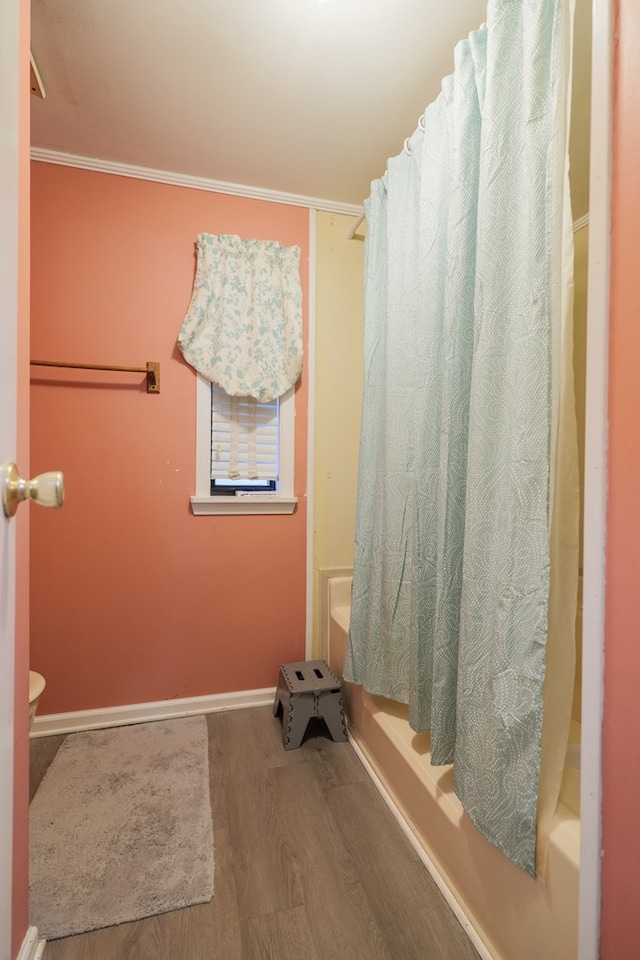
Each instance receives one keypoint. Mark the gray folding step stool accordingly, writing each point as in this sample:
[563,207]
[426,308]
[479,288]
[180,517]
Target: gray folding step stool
[305,690]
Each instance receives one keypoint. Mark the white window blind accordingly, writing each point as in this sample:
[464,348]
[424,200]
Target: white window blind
[244,437]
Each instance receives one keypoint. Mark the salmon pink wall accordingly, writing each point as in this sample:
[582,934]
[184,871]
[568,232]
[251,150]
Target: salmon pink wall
[133,598]
[621,769]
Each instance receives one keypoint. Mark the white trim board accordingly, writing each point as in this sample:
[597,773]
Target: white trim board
[192,182]
[311,431]
[595,480]
[51,724]
[32,946]
[12,893]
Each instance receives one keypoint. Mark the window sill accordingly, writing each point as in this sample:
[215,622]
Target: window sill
[218,506]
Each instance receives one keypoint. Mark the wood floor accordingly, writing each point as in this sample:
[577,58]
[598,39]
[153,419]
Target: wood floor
[310,864]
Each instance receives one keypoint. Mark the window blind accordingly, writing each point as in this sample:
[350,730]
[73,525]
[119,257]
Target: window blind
[244,437]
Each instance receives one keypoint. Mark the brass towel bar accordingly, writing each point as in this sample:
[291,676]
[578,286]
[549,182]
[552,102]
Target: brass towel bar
[152,370]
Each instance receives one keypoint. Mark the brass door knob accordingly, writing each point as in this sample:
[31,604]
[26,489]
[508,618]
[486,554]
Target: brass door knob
[46,489]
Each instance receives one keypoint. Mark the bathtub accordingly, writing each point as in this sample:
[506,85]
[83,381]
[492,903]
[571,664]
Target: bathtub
[507,914]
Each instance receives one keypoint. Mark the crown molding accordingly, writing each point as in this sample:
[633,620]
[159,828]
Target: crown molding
[191,182]
[212,186]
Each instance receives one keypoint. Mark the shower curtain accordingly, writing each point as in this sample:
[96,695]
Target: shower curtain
[465,560]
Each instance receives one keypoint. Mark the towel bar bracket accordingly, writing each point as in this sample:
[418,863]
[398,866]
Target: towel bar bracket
[153,377]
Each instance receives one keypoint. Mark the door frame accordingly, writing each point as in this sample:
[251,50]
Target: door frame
[9,222]
[595,494]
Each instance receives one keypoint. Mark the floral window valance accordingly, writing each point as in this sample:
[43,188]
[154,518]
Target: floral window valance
[243,328]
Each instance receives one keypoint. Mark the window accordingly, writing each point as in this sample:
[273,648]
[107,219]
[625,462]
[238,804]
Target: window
[251,441]
[244,444]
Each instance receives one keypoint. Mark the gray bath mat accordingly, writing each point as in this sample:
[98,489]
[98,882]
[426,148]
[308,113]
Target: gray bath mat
[120,827]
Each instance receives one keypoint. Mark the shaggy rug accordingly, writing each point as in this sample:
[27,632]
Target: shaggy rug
[120,827]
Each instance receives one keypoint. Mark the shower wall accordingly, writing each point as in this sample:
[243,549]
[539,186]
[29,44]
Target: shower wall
[133,599]
[338,400]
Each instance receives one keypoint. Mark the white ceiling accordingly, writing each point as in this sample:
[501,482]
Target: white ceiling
[302,96]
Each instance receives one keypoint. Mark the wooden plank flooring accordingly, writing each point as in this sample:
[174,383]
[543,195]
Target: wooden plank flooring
[309,863]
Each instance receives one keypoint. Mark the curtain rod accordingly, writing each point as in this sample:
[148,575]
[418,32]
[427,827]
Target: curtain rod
[419,126]
[351,233]
[577,225]
[152,370]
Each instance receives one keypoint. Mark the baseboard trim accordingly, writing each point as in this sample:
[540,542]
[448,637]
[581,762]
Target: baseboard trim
[439,880]
[32,946]
[51,724]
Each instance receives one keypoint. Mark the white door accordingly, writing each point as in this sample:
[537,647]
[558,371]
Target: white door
[9,154]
